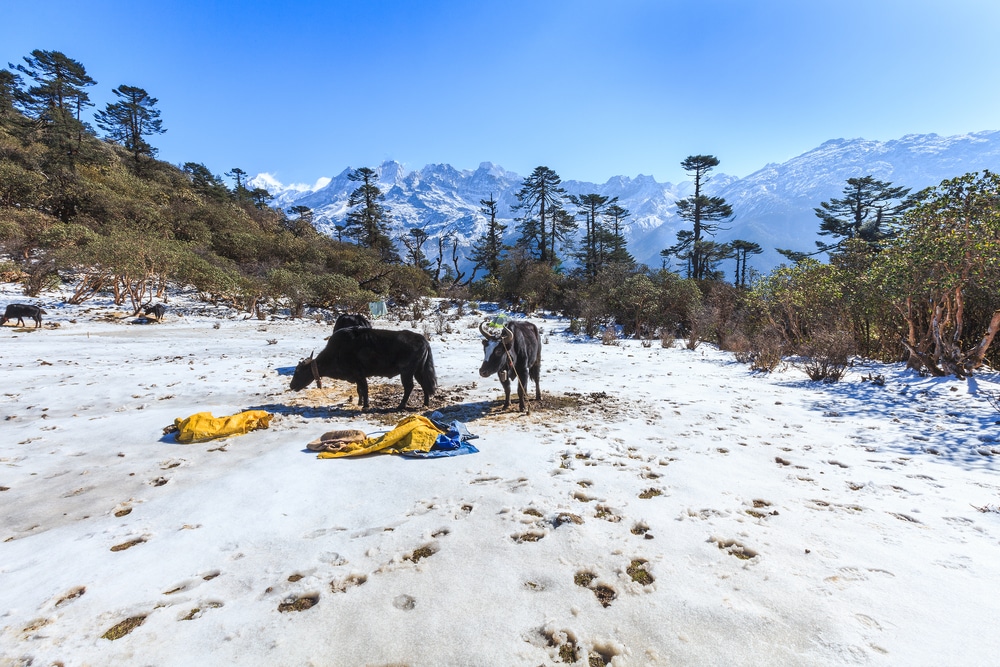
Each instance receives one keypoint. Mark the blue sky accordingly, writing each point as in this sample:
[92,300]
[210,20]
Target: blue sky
[591,89]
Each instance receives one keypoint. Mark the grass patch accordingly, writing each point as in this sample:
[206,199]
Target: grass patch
[120,630]
[650,493]
[637,570]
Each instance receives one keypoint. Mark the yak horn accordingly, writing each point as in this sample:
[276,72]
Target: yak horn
[506,335]
[482,330]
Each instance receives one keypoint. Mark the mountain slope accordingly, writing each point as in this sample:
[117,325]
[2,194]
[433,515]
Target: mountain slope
[772,206]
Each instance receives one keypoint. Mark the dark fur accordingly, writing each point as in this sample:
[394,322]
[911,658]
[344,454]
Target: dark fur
[355,354]
[521,357]
[351,320]
[20,311]
[156,311]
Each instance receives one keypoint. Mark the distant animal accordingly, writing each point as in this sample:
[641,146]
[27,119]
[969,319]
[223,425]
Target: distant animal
[351,320]
[20,311]
[516,350]
[156,311]
[355,354]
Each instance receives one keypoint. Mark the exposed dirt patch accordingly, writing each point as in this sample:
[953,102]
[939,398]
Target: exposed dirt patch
[460,402]
[299,603]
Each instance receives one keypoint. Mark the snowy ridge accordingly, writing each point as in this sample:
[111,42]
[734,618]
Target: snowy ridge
[773,206]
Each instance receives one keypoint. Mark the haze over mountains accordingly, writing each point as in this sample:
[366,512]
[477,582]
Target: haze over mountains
[772,206]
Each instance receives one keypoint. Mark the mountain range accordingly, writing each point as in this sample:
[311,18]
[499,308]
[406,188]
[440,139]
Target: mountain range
[773,206]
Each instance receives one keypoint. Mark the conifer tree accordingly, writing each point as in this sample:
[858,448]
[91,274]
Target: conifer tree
[593,208]
[705,215]
[539,194]
[368,221]
[487,250]
[741,251]
[868,212]
[615,247]
[132,118]
[56,102]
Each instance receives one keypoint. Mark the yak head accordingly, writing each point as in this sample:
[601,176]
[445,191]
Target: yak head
[305,372]
[498,351]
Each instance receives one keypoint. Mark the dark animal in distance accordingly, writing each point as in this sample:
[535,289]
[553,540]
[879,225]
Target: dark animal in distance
[20,311]
[156,311]
[355,354]
[351,320]
[516,350]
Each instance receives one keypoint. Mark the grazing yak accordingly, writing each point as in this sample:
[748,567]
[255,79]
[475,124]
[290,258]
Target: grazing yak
[20,311]
[156,311]
[351,320]
[355,354]
[516,350]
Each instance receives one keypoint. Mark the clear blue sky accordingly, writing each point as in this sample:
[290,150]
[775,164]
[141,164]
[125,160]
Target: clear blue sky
[590,89]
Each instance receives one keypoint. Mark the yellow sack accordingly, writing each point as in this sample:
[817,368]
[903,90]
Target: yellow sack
[415,433]
[203,426]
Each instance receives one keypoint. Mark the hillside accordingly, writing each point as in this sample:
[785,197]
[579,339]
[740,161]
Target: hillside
[773,206]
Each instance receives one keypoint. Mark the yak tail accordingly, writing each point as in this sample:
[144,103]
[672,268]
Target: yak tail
[427,370]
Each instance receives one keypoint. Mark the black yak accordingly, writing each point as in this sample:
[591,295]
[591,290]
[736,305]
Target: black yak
[351,320]
[517,350]
[355,354]
[20,311]
[156,311]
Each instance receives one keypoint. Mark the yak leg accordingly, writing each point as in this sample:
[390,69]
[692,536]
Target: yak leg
[407,389]
[505,381]
[363,392]
[534,371]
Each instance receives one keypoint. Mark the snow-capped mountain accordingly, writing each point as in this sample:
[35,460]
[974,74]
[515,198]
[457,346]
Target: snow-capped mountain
[772,206]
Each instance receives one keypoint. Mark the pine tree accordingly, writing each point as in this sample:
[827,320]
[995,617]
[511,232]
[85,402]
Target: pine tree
[705,214]
[868,211]
[368,222]
[593,208]
[616,247]
[540,192]
[487,250]
[131,119]
[741,251]
[56,101]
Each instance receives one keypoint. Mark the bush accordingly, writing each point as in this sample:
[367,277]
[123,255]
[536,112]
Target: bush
[827,355]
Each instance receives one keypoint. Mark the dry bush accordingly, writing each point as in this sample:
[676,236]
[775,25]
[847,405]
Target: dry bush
[740,346]
[609,336]
[766,350]
[827,355]
[667,339]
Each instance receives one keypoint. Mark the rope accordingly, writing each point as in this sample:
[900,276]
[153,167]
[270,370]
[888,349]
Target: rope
[315,371]
[521,388]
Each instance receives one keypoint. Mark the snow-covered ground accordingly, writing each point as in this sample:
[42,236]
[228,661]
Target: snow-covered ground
[661,506]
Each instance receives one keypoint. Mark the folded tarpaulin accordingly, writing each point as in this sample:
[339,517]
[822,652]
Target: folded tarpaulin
[415,436]
[203,426]
[378,309]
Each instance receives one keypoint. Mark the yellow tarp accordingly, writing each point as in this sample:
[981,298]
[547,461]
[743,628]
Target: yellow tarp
[203,426]
[415,433]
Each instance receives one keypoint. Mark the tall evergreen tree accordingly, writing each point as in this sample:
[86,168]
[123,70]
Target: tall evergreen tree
[302,224]
[131,119]
[240,192]
[10,86]
[868,211]
[615,247]
[487,250]
[368,221]
[741,251]
[57,99]
[539,194]
[593,208]
[705,215]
